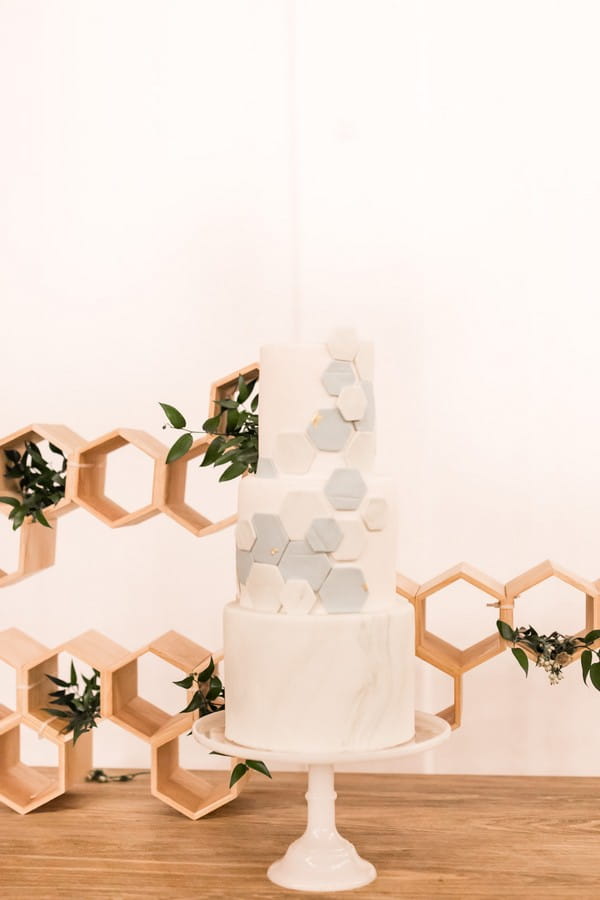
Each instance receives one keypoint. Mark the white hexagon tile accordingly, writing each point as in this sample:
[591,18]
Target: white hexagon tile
[297,597]
[343,344]
[354,540]
[375,513]
[264,586]
[352,402]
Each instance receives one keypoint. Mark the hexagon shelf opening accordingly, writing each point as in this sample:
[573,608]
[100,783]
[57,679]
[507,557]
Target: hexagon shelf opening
[180,479]
[36,547]
[24,787]
[183,789]
[225,387]
[550,597]
[435,649]
[121,700]
[90,479]
[60,436]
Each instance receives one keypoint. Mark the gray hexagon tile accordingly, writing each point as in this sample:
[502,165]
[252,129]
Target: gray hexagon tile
[338,375]
[264,586]
[266,468]
[352,402]
[324,535]
[375,513]
[364,361]
[298,510]
[243,561]
[329,430]
[354,540]
[271,538]
[300,562]
[367,422]
[244,535]
[297,597]
[343,344]
[360,452]
[345,489]
[294,453]
[344,590]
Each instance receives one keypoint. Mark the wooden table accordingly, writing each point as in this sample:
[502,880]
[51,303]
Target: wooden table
[466,837]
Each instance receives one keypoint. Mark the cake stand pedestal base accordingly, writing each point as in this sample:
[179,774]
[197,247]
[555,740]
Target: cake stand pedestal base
[321,859]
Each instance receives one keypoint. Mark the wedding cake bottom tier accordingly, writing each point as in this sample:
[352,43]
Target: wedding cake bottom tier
[328,683]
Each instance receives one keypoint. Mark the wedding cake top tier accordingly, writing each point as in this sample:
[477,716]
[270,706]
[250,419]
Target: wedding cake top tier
[317,411]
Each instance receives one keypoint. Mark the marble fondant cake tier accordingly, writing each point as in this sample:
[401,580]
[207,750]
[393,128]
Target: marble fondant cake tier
[319,683]
[316,543]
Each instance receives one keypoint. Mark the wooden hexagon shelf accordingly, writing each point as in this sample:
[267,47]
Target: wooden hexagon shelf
[433,648]
[542,572]
[60,436]
[121,700]
[90,476]
[189,793]
[37,550]
[173,494]
[25,788]
[16,649]
[225,387]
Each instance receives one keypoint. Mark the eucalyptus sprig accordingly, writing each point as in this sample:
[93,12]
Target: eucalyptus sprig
[39,483]
[80,708]
[235,430]
[554,651]
[209,697]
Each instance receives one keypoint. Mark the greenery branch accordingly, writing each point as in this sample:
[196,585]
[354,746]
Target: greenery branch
[209,697]
[78,706]
[234,428]
[39,484]
[554,651]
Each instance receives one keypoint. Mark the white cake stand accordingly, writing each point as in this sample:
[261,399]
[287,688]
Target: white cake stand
[321,860]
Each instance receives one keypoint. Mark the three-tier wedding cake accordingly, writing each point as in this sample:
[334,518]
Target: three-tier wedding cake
[319,648]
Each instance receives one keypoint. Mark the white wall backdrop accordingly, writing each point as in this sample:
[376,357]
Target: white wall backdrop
[181,182]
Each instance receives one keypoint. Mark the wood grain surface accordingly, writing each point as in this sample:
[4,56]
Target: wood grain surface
[466,837]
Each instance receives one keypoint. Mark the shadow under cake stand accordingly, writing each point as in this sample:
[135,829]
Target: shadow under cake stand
[321,859]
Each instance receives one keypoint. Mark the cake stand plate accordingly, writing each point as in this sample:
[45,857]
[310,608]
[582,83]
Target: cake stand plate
[321,859]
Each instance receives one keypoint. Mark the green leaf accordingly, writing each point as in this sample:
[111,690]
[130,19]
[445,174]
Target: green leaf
[258,767]
[41,518]
[215,688]
[185,682]
[586,662]
[243,390]
[206,673]
[176,419]
[234,471]
[180,447]
[595,675]
[197,702]
[12,501]
[58,681]
[592,636]
[238,772]
[521,658]
[212,452]
[505,630]
[211,425]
